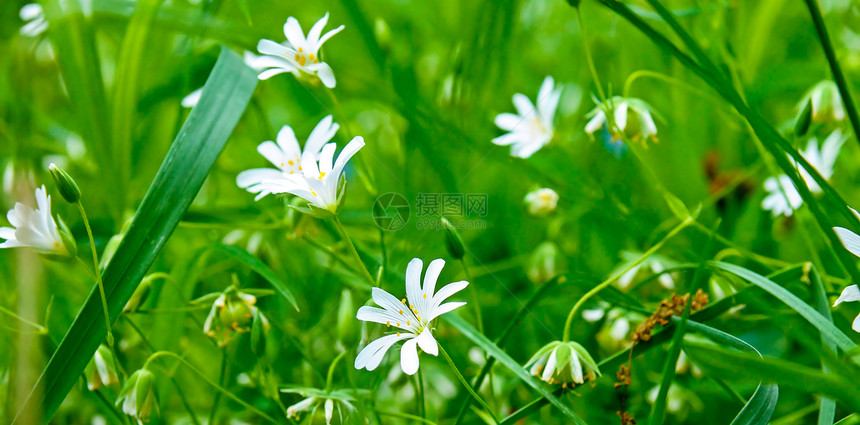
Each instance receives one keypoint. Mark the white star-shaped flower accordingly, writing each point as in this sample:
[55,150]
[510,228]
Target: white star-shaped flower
[531,128]
[34,228]
[315,177]
[412,316]
[298,55]
[783,198]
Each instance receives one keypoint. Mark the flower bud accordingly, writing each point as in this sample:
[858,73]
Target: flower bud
[66,184]
[453,240]
[563,363]
[140,295]
[346,331]
[101,370]
[110,250]
[545,263]
[825,102]
[137,397]
[541,201]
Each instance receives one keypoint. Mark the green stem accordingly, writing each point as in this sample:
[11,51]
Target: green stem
[488,366]
[221,389]
[353,251]
[405,416]
[98,275]
[589,59]
[835,68]
[422,406]
[618,274]
[663,77]
[330,375]
[222,375]
[466,384]
[475,299]
[41,329]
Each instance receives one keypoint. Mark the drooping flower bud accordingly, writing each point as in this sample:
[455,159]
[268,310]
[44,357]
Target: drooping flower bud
[453,240]
[140,295]
[65,184]
[346,331]
[565,363]
[631,119]
[137,397]
[825,102]
[101,370]
[545,263]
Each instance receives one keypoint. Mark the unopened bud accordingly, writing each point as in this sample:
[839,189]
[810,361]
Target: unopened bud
[66,184]
[453,240]
[346,322]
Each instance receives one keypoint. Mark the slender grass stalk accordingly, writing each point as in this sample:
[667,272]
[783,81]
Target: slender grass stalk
[404,416]
[588,58]
[835,68]
[466,384]
[39,328]
[419,384]
[329,378]
[618,274]
[213,384]
[96,273]
[353,251]
[222,377]
[488,366]
[474,293]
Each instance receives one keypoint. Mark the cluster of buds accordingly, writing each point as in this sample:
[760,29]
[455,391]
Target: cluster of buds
[235,312]
[565,363]
[673,306]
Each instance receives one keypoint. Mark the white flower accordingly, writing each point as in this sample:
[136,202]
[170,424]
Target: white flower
[851,241]
[298,55]
[315,178]
[412,316]
[530,128]
[541,201]
[563,363]
[34,228]
[825,102]
[35,17]
[286,154]
[638,126]
[783,198]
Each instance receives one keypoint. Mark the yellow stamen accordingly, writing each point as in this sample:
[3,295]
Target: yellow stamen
[403,301]
[289,162]
[401,312]
[388,324]
[425,296]
[408,323]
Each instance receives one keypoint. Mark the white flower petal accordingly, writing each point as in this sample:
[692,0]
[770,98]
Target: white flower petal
[524,106]
[270,47]
[856,324]
[849,239]
[508,121]
[551,363]
[413,283]
[427,343]
[321,134]
[293,32]
[324,72]
[371,356]
[409,356]
[269,73]
[329,35]
[329,406]
[849,294]
[316,30]
[596,122]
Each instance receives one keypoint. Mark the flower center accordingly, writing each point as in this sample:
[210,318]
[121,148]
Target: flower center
[302,58]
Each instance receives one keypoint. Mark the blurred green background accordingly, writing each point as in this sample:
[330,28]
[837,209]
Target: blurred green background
[421,82]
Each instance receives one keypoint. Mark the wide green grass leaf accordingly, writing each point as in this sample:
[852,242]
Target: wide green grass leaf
[198,144]
[493,350]
[262,269]
[827,329]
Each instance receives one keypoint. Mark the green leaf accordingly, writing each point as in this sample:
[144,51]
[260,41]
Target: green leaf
[493,350]
[827,329]
[827,410]
[759,408]
[198,144]
[262,269]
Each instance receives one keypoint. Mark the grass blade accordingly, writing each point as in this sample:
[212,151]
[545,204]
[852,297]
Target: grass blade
[827,329]
[262,269]
[187,164]
[827,410]
[492,349]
